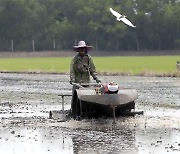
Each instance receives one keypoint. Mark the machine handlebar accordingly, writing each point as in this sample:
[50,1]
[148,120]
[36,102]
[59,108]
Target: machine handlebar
[86,84]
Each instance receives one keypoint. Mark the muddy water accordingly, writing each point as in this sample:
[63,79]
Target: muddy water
[25,102]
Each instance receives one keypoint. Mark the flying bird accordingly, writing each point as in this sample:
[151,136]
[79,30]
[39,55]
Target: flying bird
[122,18]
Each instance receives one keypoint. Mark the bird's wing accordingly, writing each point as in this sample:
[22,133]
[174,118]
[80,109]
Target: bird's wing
[116,14]
[127,22]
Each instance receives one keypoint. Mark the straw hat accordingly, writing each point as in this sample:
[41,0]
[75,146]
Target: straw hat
[82,44]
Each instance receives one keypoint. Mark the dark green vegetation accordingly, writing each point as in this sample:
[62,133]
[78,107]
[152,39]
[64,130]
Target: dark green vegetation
[149,65]
[58,24]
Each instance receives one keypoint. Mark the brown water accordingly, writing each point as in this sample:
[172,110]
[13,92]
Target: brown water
[26,99]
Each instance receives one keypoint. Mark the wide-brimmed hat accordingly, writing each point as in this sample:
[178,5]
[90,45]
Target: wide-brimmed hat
[82,44]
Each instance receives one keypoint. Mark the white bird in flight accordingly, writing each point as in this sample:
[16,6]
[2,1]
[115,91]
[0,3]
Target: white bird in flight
[122,18]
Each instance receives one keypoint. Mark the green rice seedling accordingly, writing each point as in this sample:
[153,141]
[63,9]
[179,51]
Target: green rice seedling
[131,65]
[136,65]
[35,64]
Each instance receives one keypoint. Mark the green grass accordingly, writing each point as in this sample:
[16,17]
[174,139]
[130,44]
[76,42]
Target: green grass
[129,65]
[137,65]
[35,64]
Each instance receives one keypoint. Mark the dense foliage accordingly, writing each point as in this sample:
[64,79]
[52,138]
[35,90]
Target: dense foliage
[59,24]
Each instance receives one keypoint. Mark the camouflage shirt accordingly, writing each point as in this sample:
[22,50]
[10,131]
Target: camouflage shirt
[81,68]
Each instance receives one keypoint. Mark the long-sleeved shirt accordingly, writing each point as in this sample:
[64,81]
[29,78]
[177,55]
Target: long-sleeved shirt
[81,68]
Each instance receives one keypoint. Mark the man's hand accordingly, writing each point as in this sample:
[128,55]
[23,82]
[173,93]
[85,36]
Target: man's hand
[98,81]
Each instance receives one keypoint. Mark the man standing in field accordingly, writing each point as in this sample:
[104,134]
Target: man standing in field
[82,65]
[81,68]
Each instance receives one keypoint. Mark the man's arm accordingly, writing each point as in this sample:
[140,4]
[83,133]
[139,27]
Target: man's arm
[72,74]
[92,70]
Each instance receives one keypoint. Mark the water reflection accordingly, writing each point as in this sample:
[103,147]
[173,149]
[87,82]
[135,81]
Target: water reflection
[158,140]
[110,141]
[29,140]
[130,135]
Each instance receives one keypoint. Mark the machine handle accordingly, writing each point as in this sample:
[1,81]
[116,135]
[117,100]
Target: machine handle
[86,84]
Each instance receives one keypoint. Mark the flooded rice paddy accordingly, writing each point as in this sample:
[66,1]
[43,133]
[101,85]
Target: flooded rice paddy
[26,99]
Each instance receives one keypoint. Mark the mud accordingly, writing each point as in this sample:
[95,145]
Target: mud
[26,99]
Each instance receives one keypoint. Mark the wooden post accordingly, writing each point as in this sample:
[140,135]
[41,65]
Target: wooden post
[62,102]
[12,45]
[137,42]
[96,45]
[50,115]
[33,45]
[54,44]
[178,65]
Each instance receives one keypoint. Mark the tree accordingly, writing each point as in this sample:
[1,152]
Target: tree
[65,22]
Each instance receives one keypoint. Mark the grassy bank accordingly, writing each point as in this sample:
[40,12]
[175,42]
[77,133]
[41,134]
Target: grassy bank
[131,65]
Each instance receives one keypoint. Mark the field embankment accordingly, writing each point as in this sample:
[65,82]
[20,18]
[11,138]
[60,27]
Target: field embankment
[22,54]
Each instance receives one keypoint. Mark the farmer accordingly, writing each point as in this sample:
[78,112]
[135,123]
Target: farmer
[81,68]
[82,65]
